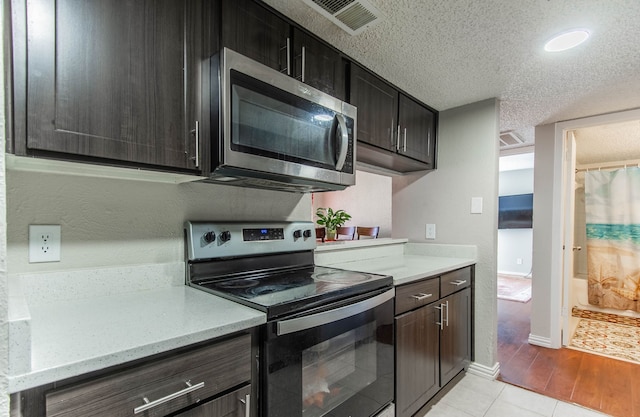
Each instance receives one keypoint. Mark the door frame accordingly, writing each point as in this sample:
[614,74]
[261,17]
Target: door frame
[559,300]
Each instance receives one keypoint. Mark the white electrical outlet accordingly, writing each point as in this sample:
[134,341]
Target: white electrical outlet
[44,243]
[430,231]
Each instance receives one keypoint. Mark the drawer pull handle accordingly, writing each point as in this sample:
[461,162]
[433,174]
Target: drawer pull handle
[421,296]
[458,282]
[247,405]
[150,404]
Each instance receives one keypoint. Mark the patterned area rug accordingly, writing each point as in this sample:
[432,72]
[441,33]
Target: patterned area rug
[514,288]
[606,338]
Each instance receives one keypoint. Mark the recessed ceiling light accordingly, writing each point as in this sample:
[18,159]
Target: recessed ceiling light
[566,40]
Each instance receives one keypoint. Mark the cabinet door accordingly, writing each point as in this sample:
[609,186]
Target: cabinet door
[115,79]
[254,31]
[455,338]
[377,104]
[417,371]
[417,131]
[233,404]
[318,65]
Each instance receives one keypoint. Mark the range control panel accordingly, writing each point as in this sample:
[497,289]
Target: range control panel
[210,240]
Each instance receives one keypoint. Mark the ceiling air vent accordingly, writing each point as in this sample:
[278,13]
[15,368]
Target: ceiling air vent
[352,16]
[510,138]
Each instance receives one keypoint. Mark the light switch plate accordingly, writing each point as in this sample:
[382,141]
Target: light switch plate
[430,232]
[44,243]
[476,205]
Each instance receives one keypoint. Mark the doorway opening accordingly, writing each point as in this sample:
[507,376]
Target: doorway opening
[594,268]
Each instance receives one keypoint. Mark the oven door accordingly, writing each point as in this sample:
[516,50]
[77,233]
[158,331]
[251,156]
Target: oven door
[337,362]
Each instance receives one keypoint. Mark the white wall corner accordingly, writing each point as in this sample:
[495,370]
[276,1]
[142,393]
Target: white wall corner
[541,341]
[488,372]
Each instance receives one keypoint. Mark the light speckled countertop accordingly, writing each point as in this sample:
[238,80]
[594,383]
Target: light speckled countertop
[74,337]
[405,261]
[53,338]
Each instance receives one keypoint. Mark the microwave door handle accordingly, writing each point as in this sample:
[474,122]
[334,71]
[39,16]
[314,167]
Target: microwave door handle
[344,141]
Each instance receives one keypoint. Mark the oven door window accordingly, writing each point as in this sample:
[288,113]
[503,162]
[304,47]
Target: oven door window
[269,122]
[344,368]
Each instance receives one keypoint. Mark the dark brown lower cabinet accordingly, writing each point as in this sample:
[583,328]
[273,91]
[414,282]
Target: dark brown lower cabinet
[417,364]
[433,341]
[233,404]
[455,343]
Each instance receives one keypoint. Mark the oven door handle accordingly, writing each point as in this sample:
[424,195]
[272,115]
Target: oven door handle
[315,320]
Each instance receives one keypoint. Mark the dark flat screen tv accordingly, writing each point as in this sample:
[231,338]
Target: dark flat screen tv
[515,211]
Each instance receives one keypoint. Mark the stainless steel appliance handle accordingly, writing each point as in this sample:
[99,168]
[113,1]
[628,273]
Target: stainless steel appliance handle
[304,61]
[150,404]
[247,402]
[344,141]
[315,320]
[441,322]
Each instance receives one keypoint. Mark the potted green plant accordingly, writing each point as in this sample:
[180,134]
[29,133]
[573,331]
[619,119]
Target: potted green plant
[331,220]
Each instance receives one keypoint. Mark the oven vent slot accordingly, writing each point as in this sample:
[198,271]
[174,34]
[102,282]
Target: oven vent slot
[352,16]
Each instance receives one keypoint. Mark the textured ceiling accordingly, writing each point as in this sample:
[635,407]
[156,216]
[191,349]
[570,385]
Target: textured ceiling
[609,143]
[455,52]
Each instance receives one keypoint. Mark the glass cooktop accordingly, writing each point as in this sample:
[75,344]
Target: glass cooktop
[289,291]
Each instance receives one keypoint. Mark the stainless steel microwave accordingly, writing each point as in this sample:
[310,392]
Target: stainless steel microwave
[269,130]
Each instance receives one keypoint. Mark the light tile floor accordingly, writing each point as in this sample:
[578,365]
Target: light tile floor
[475,396]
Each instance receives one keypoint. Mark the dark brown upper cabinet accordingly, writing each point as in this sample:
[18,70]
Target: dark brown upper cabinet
[394,131]
[255,31]
[116,81]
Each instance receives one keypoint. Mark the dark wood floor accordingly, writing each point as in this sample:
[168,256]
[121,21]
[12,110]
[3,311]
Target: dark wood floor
[606,385]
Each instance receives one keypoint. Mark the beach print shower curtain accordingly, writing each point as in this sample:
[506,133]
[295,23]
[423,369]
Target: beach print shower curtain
[612,203]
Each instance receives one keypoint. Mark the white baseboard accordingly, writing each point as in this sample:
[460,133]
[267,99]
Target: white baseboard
[539,341]
[484,371]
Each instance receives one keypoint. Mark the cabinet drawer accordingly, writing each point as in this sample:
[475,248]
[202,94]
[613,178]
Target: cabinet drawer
[208,370]
[416,294]
[454,281]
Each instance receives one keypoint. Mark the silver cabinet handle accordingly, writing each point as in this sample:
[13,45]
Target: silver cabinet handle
[247,405]
[197,157]
[304,61]
[405,140]
[458,282]
[150,404]
[398,139]
[288,56]
[391,132]
[287,47]
[344,141]
[441,322]
[421,296]
[447,306]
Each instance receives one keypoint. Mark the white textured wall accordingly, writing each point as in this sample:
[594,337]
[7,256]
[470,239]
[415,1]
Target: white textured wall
[467,167]
[514,244]
[368,202]
[114,222]
[544,256]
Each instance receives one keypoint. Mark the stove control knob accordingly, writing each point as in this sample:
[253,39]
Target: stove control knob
[209,237]
[307,233]
[225,236]
[297,234]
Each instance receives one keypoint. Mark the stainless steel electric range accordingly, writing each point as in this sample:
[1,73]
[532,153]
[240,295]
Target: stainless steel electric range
[327,346]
